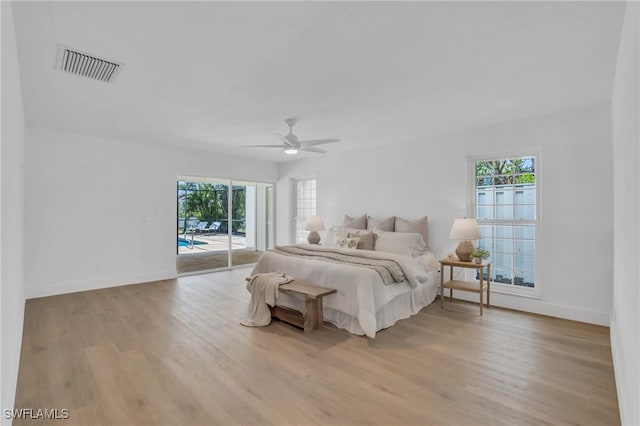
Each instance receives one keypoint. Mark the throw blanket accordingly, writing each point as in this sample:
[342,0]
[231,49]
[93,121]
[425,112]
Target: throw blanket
[264,292]
[389,270]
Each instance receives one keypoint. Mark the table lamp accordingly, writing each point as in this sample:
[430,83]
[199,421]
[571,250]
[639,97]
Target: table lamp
[465,230]
[314,224]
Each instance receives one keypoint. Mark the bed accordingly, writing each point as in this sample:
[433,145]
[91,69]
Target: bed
[364,303]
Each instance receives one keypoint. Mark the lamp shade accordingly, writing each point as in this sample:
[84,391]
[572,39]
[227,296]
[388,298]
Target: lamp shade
[465,229]
[314,223]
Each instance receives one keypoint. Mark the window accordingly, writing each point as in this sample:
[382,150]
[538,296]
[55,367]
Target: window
[305,206]
[505,205]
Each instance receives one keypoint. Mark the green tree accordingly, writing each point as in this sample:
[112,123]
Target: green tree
[501,172]
[210,202]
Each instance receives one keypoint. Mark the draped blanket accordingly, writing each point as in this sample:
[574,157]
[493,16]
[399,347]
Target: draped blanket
[389,270]
[264,292]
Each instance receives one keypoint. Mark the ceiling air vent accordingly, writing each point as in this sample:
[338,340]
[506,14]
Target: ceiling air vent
[87,65]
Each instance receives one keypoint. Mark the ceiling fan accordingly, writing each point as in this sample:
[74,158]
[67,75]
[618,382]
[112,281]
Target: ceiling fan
[292,145]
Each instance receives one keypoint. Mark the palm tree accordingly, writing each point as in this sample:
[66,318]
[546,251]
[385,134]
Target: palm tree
[209,202]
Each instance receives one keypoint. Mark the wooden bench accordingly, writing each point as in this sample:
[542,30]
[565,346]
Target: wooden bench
[311,318]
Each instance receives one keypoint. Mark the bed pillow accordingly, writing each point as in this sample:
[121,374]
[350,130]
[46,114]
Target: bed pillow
[348,243]
[367,240]
[355,222]
[407,243]
[331,236]
[336,232]
[343,231]
[386,224]
[418,225]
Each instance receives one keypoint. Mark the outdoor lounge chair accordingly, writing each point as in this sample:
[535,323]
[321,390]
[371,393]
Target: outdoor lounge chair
[214,227]
[200,227]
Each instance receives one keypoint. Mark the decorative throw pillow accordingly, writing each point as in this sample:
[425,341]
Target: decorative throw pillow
[343,231]
[355,222]
[367,240]
[348,243]
[386,224]
[334,233]
[410,244]
[418,225]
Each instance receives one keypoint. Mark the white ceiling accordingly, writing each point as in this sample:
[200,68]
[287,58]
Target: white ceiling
[220,75]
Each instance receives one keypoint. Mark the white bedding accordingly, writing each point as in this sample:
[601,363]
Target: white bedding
[363,303]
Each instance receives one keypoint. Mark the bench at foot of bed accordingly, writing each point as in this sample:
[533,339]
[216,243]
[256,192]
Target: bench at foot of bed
[311,318]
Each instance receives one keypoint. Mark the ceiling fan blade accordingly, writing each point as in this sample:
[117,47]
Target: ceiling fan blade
[263,146]
[313,142]
[283,139]
[312,149]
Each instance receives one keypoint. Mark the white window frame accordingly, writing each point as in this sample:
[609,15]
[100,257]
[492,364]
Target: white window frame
[536,291]
[297,219]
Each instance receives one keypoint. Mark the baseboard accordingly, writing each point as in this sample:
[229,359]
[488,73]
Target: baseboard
[74,287]
[542,308]
[622,379]
[616,355]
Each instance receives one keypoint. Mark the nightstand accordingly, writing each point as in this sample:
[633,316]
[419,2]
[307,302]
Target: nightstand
[472,286]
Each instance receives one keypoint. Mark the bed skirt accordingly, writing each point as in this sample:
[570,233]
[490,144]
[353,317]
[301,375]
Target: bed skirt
[401,307]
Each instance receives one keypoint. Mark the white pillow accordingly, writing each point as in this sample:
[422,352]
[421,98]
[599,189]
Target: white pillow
[407,243]
[330,238]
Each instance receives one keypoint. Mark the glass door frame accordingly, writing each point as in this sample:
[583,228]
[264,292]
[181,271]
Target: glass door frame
[269,229]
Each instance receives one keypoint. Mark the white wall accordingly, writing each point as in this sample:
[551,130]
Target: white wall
[429,177]
[102,212]
[11,214]
[625,322]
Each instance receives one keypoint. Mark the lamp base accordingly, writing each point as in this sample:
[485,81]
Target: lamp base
[313,237]
[464,249]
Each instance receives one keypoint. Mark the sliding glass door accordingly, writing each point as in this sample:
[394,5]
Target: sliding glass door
[222,223]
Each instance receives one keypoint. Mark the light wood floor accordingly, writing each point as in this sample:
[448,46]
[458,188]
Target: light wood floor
[172,352]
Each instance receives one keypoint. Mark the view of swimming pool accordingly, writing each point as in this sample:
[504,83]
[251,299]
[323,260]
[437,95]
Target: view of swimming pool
[183,242]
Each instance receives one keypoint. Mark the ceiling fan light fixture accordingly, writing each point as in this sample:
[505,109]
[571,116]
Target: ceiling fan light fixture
[291,145]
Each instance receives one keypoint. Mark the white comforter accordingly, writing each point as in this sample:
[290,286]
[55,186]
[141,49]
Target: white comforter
[361,292]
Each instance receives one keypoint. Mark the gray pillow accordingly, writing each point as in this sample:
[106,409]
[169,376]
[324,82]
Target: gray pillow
[386,224]
[355,222]
[367,240]
[418,225]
